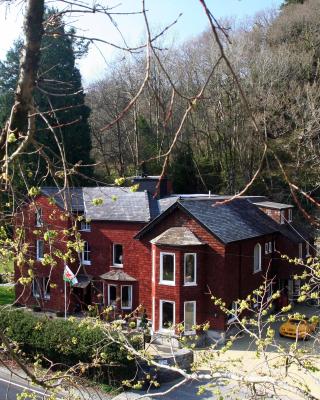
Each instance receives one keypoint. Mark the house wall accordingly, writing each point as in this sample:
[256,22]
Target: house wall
[53,219]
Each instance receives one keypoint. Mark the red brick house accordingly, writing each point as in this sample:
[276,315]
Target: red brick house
[167,254]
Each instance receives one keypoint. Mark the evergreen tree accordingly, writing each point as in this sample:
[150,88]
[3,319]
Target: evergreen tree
[183,171]
[59,90]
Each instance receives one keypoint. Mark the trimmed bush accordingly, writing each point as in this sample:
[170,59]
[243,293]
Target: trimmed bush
[66,342]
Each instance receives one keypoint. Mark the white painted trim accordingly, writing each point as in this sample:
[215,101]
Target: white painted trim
[83,261]
[86,227]
[194,283]
[153,314]
[37,249]
[163,282]
[194,315]
[258,269]
[130,291]
[160,315]
[153,265]
[114,264]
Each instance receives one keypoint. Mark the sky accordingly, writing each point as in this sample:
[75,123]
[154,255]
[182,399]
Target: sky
[160,13]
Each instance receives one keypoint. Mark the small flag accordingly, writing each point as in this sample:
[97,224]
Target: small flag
[69,276]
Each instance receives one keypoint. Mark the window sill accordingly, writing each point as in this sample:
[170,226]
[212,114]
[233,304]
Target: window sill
[257,271]
[84,230]
[126,308]
[86,262]
[230,321]
[190,333]
[167,283]
[117,266]
[190,284]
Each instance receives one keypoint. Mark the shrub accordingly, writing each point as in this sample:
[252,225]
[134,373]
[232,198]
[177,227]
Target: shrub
[67,343]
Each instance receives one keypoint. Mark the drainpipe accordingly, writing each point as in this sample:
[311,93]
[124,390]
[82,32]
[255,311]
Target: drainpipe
[240,271]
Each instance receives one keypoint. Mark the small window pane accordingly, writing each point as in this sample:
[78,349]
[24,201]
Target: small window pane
[126,296]
[117,254]
[86,253]
[190,268]
[40,249]
[189,316]
[112,295]
[168,267]
[39,217]
[167,315]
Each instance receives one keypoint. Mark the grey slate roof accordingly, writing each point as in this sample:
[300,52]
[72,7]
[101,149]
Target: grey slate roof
[118,204]
[177,236]
[236,220]
[70,198]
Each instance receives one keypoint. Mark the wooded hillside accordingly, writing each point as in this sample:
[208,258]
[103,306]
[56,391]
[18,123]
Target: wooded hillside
[275,56]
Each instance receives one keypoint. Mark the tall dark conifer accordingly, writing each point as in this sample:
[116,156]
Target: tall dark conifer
[60,97]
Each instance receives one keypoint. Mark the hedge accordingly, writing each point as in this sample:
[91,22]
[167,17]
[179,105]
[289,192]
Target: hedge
[66,342]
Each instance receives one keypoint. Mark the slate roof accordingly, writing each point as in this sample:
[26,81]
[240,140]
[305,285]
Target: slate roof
[70,198]
[117,276]
[118,204]
[236,220]
[177,236]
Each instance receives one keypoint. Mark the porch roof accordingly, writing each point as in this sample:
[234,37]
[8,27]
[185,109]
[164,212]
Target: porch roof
[177,236]
[117,276]
[83,281]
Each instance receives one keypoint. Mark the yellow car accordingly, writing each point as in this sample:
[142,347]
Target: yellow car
[298,328]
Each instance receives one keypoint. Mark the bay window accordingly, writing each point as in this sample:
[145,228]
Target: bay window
[190,269]
[167,268]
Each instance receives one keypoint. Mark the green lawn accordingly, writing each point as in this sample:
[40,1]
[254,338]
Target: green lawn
[6,267]
[6,295]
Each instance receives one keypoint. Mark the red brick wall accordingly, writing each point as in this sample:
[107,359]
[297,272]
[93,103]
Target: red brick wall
[53,219]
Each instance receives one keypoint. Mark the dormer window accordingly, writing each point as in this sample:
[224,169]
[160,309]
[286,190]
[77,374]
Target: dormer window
[290,215]
[38,216]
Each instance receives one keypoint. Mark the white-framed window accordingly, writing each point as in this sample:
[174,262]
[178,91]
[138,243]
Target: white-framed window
[41,288]
[266,248]
[38,217]
[270,247]
[257,258]
[269,212]
[167,315]
[234,308]
[290,215]
[190,308]
[39,250]
[86,254]
[117,255]
[308,249]
[282,217]
[167,268]
[190,269]
[300,250]
[126,297]
[112,295]
[85,226]
[269,291]
[274,246]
